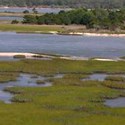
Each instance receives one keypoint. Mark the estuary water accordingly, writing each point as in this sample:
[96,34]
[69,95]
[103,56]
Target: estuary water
[10,18]
[40,10]
[81,46]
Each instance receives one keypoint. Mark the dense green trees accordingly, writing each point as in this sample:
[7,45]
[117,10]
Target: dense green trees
[96,18]
[70,3]
[30,19]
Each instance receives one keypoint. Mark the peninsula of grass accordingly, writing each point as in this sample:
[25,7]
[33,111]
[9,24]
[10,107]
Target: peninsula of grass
[53,29]
[22,28]
[69,101]
[17,14]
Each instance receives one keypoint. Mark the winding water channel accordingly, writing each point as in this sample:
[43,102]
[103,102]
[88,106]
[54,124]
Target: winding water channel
[30,80]
[114,103]
[24,80]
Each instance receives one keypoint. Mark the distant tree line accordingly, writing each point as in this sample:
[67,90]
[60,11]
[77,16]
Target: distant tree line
[70,3]
[96,18]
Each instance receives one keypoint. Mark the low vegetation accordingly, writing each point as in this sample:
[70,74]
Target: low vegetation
[30,28]
[115,78]
[70,101]
[19,56]
[40,82]
[8,76]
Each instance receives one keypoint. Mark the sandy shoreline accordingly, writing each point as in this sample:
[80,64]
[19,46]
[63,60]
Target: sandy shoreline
[32,55]
[76,34]
[11,54]
[97,34]
[104,34]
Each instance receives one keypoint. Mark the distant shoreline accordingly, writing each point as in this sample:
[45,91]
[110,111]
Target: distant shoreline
[61,7]
[73,30]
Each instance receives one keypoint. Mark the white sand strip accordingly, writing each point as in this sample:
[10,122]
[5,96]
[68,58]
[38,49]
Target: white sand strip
[27,55]
[104,34]
[97,34]
[30,55]
[99,59]
[11,54]
[74,58]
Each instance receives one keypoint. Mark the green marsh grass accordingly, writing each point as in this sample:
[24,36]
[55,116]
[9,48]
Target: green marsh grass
[69,101]
[56,66]
[115,78]
[8,76]
[30,28]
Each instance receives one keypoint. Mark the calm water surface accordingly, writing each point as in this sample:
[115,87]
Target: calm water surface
[118,102]
[40,10]
[82,46]
[101,76]
[10,18]
[96,76]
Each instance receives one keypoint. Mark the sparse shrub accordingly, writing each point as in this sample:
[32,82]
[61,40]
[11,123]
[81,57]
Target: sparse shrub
[19,56]
[40,82]
[14,22]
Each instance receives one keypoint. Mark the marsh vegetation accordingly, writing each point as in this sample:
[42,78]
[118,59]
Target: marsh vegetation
[69,100]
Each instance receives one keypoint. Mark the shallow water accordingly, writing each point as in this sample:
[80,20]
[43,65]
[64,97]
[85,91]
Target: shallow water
[101,76]
[5,97]
[24,80]
[118,102]
[2,58]
[96,76]
[82,46]
[57,76]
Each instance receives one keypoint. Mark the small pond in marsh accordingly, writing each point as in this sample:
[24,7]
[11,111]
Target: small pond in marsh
[30,80]
[96,76]
[101,76]
[24,80]
[118,102]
